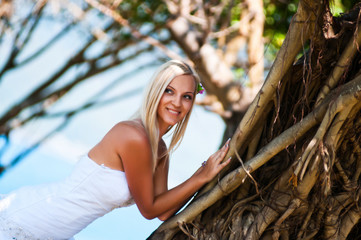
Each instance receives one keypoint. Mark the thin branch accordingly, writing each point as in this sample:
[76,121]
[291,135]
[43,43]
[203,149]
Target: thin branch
[18,45]
[37,95]
[247,171]
[118,18]
[56,95]
[46,46]
[68,115]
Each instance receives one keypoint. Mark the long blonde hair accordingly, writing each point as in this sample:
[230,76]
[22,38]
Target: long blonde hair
[154,92]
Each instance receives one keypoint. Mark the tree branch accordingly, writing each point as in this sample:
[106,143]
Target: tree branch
[118,18]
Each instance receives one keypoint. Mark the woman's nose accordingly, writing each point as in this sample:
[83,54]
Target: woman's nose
[177,101]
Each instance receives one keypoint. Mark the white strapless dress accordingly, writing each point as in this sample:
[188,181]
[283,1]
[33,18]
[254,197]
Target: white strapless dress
[60,210]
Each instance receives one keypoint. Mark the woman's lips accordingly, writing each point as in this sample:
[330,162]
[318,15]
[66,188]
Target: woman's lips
[173,111]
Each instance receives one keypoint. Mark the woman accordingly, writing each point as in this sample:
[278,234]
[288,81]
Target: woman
[130,164]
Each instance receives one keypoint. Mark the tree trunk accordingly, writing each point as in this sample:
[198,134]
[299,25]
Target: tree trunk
[296,152]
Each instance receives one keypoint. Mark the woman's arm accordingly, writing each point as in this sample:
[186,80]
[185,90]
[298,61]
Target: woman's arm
[161,181]
[134,150]
[161,186]
[161,177]
[172,211]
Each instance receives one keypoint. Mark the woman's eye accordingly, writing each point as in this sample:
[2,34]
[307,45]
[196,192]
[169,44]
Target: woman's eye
[167,90]
[188,97]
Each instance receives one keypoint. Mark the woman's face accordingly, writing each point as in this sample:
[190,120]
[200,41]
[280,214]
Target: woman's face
[176,101]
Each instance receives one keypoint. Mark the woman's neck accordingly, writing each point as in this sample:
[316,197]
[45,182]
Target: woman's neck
[162,131]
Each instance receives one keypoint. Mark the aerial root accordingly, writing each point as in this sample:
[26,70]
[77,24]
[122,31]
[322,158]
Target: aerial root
[247,171]
[357,174]
[347,183]
[311,147]
[342,64]
[332,121]
[252,146]
[292,207]
[184,228]
[348,222]
[240,207]
[306,222]
[241,222]
[331,222]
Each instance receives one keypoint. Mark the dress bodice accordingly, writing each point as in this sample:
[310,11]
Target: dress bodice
[60,210]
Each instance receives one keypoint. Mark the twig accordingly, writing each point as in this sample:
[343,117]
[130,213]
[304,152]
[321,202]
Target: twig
[247,172]
[118,18]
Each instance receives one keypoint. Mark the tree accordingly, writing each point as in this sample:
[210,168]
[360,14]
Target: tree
[296,152]
[295,142]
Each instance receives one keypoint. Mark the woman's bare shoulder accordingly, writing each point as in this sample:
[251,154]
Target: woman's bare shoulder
[131,130]
[131,142]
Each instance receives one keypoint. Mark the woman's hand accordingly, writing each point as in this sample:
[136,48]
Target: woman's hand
[214,164]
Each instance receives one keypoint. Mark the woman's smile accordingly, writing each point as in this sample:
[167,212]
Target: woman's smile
[173,111]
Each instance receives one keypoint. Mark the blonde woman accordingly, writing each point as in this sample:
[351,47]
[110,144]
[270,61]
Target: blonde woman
[129,165]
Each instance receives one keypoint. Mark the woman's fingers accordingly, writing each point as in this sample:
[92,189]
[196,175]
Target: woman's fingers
[226,162]
[226,145]
[214,164]
[223,151]
[215,159]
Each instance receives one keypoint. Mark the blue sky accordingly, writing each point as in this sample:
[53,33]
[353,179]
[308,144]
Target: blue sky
[54,160]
